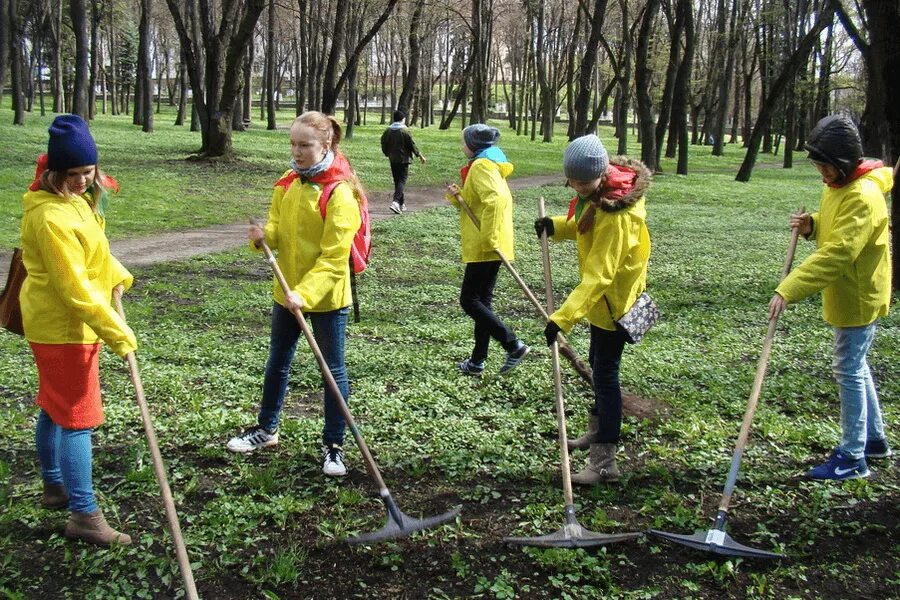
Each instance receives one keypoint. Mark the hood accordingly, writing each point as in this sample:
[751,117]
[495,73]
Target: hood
[874,170]
[397,125]
[627,182]
[32,200]
[835,141]
[339,170]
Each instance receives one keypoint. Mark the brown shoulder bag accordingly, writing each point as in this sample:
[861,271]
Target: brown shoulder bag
[10,309]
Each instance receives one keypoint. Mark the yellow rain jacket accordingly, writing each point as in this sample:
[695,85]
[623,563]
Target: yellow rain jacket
[612,256]
[71,273]
[313,253]
[486,192]
[851,265]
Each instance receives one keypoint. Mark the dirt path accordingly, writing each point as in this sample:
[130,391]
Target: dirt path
[177,245]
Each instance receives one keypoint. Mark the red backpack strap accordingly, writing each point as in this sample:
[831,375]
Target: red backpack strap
[326,196]
[287,180]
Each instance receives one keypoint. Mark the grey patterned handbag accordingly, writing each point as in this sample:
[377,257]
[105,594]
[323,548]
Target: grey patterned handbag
[639,319]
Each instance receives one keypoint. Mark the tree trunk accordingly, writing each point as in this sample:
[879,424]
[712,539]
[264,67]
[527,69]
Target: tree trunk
[642,77]
[270,68]
[624,82]
[15,41]
[146,89]
[796,60]
[96,18]
[412,73]
[79,26]
[4,44]
[681,88]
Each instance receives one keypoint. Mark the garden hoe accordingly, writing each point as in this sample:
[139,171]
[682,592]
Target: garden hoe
[572,534]
[583,369]
[716,540]
[398,524]
[181,552]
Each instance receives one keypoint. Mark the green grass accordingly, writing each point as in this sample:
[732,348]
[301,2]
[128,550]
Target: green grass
[161,190]
[264,524]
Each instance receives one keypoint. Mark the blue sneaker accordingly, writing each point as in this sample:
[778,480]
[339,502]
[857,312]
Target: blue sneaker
[878,449]
[839,467]
[467,367]
[514,358]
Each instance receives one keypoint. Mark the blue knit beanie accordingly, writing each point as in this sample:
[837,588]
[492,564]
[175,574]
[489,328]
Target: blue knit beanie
[480,136]
[70,145]
[585,159]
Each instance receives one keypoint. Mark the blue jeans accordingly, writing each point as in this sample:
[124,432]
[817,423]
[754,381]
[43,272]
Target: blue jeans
[605,355]
[66,457]
[329,330]
[860,414]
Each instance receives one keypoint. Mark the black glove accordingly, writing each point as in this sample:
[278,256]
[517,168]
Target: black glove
[550,332]
[542,225]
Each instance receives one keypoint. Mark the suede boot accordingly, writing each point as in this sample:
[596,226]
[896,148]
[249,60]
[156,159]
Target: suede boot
[584,442]
[54,496]
[93,528]
[601,466]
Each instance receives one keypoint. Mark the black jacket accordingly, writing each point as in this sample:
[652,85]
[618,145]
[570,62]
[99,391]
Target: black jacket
[399,146]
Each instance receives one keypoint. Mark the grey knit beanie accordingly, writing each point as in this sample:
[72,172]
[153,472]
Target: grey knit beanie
[480,136]
[585,159]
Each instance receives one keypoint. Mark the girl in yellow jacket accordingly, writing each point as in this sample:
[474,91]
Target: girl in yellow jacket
[851,267]
[314,254]
[486,193]
[607,220]
[66,311]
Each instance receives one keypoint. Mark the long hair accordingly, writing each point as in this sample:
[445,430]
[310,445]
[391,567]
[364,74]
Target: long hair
[330,130]
[55,183]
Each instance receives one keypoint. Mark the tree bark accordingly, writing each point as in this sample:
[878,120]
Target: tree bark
[146,89]
[681,88]
[412,72]
[642,77]
[767,107]
[270,67]
[15,54]
[79,27]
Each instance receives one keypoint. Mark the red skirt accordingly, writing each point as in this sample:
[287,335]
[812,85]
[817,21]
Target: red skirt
[69,383]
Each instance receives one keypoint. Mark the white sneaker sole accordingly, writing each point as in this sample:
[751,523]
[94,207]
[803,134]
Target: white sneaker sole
[335,473]
[248,449]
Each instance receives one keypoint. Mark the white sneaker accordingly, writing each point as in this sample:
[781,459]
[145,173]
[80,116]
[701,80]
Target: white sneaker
[252,439]
[396,208]
[333,461]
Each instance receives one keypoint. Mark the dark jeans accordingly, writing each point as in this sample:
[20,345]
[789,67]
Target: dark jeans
[605,355]
[399,171]
[475,298]
[329,330]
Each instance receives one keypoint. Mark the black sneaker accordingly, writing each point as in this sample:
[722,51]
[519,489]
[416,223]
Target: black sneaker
[252,439]
[467,367]
[877,449]
[514,358]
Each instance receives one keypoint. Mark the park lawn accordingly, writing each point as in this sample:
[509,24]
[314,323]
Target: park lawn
[267,525]
[161,190]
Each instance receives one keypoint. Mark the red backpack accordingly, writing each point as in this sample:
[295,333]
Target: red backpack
[362,241]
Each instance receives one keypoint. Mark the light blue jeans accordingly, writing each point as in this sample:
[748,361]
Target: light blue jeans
[66,457]
[860,414]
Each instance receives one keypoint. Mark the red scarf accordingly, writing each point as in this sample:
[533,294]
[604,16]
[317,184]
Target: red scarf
[860,170]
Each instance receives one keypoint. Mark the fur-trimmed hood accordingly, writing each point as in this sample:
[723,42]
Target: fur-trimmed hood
[628,179]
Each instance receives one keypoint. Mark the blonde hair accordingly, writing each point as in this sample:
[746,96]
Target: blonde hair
[55,182]
[330,133]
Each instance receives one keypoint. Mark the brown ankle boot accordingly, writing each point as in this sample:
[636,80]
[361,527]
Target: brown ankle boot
[584,442]
[601,466]
[55,496]
[93,528]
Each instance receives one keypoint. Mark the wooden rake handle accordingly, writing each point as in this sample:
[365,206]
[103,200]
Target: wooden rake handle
[159,468]
[564,348]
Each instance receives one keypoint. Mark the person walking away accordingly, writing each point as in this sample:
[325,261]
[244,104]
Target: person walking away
[487,194]
[314,254]
[851,267]
[608,221]
[398,145]
[66,312]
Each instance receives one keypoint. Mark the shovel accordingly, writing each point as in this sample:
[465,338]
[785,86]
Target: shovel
[583,369]
[716,539]
[159,468]
[398,524]
[572,534]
